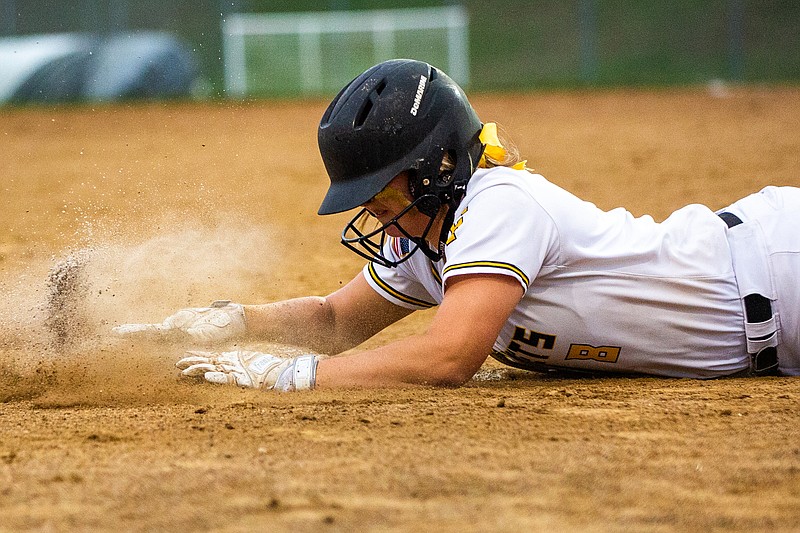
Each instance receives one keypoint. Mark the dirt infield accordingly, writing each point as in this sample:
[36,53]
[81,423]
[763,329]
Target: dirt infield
[165,206]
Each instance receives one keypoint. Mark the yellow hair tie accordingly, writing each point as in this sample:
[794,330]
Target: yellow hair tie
[493,147]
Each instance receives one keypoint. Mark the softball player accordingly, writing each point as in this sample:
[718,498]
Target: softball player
[519,268]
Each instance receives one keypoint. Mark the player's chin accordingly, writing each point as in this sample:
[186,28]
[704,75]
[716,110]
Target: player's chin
[392,231]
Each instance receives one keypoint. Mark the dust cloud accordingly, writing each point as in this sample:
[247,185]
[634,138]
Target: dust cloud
[56,346]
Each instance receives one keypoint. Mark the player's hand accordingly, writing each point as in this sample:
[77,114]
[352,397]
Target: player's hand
[221,321]
[251,369]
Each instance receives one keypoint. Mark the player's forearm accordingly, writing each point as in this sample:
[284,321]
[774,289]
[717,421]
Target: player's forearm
[308,322]
[418,360]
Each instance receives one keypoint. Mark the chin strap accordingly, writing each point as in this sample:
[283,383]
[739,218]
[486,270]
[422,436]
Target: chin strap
[447,223]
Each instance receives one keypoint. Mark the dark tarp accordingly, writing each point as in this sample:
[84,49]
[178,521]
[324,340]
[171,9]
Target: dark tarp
[74,68]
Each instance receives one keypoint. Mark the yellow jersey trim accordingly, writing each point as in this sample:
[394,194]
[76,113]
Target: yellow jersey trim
[394,292]
[491,264]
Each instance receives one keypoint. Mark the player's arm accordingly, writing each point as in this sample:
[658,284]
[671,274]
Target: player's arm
[456,344]
[474,309]
[330,324]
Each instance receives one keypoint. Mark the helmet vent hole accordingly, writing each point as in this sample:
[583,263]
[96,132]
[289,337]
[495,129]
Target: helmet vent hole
[363,113]
[361,117]
[434,74]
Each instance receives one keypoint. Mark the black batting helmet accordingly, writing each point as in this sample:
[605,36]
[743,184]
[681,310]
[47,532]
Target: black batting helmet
[399,115]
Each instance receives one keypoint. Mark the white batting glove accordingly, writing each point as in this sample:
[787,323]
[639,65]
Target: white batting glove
[252,369]
[219,322]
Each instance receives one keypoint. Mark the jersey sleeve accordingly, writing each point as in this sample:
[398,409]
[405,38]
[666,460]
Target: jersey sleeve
[503,230]
[399,285]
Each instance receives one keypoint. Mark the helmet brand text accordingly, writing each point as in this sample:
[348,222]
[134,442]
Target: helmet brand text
[418,97]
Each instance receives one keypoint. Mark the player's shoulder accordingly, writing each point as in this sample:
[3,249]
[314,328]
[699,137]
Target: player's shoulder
[526,195]
[503,183]
[497,175]
[500,179]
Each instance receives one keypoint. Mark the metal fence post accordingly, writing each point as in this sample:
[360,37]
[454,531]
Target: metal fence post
[736,39]
[587,34]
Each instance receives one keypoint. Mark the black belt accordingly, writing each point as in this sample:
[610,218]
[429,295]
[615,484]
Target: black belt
[757,308]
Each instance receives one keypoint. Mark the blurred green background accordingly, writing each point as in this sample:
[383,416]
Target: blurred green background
[513,44]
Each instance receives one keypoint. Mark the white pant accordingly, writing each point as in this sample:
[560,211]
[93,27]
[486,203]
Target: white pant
[773,216]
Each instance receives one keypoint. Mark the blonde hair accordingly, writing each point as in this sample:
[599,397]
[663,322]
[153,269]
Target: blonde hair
[512,157]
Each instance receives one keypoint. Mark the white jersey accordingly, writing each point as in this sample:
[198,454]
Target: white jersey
[603,291]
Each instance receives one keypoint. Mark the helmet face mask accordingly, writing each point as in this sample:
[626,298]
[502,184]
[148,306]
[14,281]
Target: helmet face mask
[369,244]
[400,115]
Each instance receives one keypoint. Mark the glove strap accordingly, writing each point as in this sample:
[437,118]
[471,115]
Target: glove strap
[305,372]
[300,375]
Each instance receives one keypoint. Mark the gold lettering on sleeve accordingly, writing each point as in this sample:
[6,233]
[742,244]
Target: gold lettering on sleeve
[451,236]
